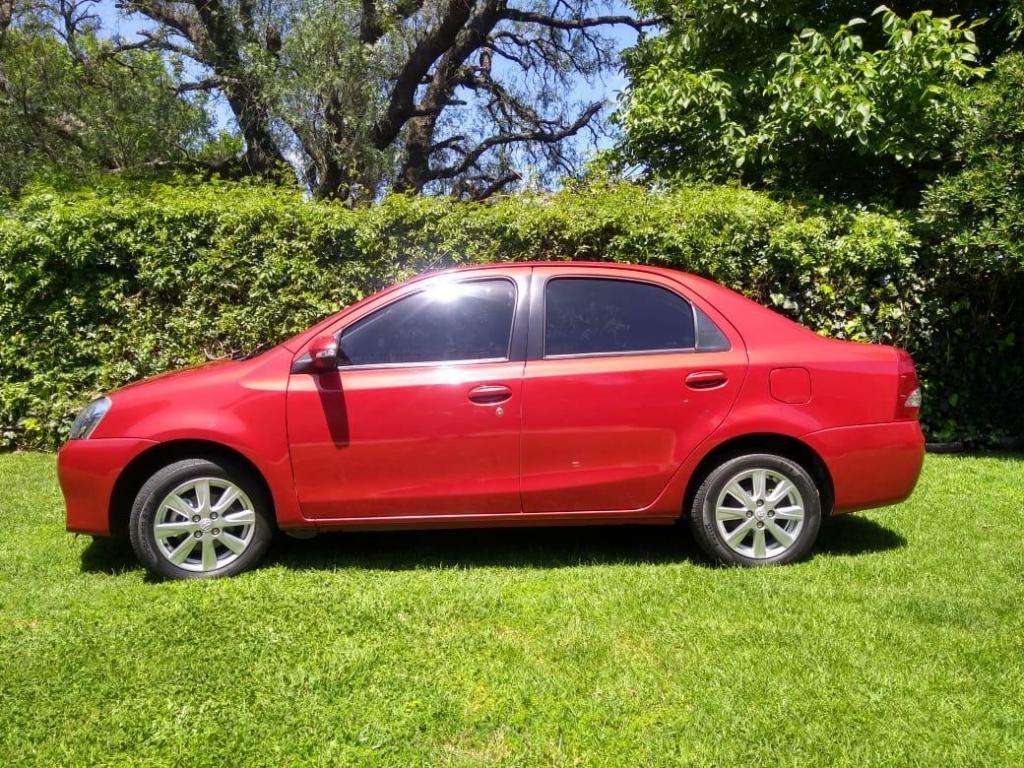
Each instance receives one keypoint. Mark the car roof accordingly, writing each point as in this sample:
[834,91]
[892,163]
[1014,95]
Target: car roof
[686,278]
[553,263]
[303,336]
[755,322]
[748,317]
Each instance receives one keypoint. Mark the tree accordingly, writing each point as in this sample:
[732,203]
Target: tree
[459,96]
[66,104]
[802,94]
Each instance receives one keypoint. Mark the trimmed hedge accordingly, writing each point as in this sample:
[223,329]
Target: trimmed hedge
[111,284]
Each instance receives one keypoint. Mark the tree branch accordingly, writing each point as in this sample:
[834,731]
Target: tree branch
[370,28]
[503,139]
[529,17]
[371,23]
[180,20]
[6,14]
[496,186]
[206,84]
[431,47]
[447,74]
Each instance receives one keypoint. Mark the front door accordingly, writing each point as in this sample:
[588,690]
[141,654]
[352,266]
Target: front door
[423,415]
[625,377]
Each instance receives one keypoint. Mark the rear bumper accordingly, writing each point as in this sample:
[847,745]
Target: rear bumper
[87,470]
[871,465]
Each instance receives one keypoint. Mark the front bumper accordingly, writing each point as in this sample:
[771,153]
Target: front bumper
[871,465]
[88,470]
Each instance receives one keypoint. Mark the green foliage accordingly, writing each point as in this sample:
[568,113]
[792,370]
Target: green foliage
[741,90]
[972,222]
[81,110]
[110,284]
[893,103]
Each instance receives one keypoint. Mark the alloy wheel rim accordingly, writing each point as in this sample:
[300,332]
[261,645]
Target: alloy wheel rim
[204,524]
[759,513]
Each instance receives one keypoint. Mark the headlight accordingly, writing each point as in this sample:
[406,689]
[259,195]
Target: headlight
[89,418]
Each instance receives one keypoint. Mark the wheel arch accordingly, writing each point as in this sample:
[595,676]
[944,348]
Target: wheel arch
[140,468]
[764,442]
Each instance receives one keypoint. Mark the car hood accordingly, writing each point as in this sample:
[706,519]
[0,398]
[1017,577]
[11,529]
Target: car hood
[183,375]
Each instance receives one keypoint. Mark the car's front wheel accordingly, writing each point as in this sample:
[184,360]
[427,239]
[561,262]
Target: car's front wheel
[198,519]
[757,509]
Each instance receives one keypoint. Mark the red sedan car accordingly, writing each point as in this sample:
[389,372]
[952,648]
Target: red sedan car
[513,394]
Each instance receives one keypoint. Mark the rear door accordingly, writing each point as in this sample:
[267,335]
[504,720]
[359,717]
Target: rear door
[423,416]
[625,375]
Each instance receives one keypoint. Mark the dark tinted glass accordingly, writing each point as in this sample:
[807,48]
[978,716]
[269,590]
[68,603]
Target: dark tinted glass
[454,321]
[709,337]
[586,316]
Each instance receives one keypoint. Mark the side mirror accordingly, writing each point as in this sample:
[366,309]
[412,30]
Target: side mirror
[323,354]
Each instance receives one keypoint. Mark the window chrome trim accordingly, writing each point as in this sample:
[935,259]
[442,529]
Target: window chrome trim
[439,363]
[426,364]
[627,353]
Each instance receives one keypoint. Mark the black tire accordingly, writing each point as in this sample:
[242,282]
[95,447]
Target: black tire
[702,518]
[165,480]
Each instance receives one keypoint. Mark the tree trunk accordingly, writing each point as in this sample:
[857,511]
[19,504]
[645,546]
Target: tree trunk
[224,52]
[261,154]
[416,160]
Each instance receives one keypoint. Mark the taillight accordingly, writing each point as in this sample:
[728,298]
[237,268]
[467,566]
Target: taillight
[908,392]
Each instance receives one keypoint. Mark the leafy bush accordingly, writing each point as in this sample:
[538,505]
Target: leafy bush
[972,225]
[797,95]
[110,284]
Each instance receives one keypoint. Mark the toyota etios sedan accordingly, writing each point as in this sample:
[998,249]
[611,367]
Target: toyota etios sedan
[514,394]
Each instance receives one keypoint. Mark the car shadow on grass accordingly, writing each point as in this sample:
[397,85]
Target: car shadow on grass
[506,548]
[855,535]
[110,556]
[487,548]
[543,547]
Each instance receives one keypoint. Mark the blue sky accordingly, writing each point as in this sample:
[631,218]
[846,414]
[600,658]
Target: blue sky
[114,23]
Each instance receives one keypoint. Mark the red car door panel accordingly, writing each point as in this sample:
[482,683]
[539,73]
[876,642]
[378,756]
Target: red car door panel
[423,415]
[608,431]
[407,441]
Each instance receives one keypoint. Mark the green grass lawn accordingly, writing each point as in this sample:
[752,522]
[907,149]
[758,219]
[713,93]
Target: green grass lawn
[901,642]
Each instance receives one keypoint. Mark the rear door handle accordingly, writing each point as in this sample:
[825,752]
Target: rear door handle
[490,394]
[705,379]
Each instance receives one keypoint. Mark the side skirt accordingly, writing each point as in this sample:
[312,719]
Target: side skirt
[539,519]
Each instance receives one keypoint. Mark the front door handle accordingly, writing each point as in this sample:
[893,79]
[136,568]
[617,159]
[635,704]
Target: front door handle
[705,380]
[490,394]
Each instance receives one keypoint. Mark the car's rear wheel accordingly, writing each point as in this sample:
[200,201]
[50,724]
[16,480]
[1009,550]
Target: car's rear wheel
[757,509]
[197,519]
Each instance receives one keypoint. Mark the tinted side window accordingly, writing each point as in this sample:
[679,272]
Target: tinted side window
[587,316]
[452,321]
